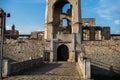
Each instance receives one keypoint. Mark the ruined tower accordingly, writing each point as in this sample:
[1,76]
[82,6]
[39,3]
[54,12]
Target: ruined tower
[64,40]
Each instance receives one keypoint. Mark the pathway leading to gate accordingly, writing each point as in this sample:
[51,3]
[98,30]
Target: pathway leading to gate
[49,71]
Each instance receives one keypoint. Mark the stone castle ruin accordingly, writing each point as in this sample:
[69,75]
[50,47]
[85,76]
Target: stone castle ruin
[62,38]
[92,47]
[92,32]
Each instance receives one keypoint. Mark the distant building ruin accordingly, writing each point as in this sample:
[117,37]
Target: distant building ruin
[12,34]
[88,22]
[92,32]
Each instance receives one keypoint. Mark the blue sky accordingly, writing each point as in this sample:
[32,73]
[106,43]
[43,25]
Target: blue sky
[28,15]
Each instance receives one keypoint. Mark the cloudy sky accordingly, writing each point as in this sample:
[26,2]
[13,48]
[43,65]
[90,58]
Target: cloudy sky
[28,15]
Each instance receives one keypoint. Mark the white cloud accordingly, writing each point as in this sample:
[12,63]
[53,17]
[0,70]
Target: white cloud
[117,21]
[108,9]
[104,14]
[8,27]
[117,32]
[17,28]
[27,29]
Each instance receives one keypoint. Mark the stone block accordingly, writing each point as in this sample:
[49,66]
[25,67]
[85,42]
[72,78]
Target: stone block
[5,68]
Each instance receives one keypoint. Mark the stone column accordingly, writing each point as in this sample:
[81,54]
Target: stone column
[87,69]
[5,68]
[52,49]
[76,16]
[92,34]
[51,53]
[106,33]
[48,19]
[55,50]
[73,46]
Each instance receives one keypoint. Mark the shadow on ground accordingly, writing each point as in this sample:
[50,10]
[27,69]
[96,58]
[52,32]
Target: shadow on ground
[39,70]
[103,74]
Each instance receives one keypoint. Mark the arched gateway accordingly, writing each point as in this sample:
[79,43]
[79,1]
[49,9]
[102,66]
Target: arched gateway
[62,53]
[56,32]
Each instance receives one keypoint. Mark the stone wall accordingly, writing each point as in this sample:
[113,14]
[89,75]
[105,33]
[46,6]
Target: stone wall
[25,65]
[88,22]
[18,67]
[84,67]
[104,55]
[22,54]
[23,49]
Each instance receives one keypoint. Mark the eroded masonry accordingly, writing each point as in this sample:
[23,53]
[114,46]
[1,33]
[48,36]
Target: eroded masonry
[79,40]
[62,38]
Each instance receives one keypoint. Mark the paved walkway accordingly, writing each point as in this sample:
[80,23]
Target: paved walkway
[49,71]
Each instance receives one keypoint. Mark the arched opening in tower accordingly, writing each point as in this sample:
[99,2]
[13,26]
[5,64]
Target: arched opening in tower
[64,22]
[66,8]
[62,14]
[62,53]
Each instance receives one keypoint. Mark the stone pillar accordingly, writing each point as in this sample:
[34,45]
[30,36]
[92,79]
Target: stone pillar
[55,50]
[45,33]
[55,53]
[48,19]
[79,42]
[106,33]
[92,34]
[87,69]
[48,31]
[76,16]
[79,38]
[52,50]
[5,68]
[99,35]
[73,46]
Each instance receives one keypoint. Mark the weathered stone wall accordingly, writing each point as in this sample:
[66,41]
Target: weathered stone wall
[25,65]
[103,54]
[83,67]
[18,67]
[53,17]
[23,49]
[88,22]
[22,54]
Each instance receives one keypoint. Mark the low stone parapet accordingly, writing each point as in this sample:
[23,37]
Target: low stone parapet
[13,68]
[84,68]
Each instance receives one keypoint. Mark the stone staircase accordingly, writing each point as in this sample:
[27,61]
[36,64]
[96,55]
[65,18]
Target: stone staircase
[49,71]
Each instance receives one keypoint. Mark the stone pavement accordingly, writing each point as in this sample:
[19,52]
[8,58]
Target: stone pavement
[49,71]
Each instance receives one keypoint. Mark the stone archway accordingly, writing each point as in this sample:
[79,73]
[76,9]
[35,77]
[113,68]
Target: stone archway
[62,53]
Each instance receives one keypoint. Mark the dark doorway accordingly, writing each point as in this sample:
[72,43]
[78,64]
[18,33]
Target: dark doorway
[62,53]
